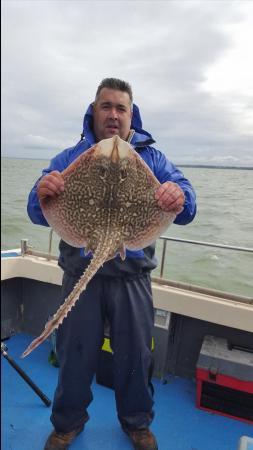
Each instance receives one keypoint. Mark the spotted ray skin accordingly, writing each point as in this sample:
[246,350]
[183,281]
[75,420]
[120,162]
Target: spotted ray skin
[108,204]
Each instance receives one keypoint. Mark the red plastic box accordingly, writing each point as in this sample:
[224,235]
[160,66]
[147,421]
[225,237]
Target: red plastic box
[225,379]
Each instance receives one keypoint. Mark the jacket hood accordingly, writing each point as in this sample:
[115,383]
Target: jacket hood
[141,136]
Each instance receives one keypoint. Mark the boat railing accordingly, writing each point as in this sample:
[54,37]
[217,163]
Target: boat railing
[26,249]
[206,244]
[203,290]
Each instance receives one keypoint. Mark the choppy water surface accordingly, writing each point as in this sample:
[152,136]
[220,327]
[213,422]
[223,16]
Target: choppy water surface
[224,216]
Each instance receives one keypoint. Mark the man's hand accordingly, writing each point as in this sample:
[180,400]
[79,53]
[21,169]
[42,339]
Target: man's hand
[50,185]
[170,197]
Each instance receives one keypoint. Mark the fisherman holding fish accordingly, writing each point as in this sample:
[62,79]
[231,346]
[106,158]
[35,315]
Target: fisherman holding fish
[120,290]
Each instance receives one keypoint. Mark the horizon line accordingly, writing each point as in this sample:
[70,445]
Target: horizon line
[193,165]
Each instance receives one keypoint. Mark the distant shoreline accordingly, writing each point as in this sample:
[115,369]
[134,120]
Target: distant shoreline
[209,166]
[198,166]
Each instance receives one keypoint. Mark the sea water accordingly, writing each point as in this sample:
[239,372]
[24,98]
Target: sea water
[225,216]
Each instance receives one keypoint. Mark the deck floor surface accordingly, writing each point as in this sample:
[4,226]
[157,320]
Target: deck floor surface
[178,424]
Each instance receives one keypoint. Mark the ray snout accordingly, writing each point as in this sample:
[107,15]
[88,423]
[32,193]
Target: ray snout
[115,151]
[114,148]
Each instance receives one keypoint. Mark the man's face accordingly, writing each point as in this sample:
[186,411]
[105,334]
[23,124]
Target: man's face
[112,114]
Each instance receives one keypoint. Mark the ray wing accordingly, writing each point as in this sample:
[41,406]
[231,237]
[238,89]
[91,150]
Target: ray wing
[69,213]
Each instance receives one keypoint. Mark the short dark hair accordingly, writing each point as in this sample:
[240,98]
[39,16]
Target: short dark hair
[115,83]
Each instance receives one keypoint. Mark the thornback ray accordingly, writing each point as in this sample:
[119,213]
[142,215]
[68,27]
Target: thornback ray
[108,205]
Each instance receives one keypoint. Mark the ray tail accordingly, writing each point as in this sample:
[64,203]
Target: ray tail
[100,256]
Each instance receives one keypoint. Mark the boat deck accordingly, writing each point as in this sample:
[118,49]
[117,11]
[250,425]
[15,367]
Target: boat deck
[178,424]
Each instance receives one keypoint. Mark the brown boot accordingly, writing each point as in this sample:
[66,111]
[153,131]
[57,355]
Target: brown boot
[142,439]
[62,441]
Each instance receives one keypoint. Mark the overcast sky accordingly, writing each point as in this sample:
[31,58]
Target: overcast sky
[190,64]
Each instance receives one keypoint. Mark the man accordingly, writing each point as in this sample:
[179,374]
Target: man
[120,291]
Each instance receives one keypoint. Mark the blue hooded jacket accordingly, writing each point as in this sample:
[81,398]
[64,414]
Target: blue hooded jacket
[74,260]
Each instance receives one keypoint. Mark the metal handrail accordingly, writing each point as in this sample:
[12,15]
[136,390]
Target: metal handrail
[42,255]
[27,250]
[209,244]
[50,241]
[206,244]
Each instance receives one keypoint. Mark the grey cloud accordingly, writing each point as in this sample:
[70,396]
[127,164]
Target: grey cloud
[55,54]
